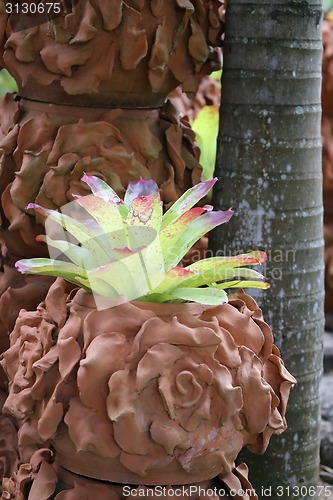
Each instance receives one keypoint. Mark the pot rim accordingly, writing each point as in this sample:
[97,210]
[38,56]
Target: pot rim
[87,300]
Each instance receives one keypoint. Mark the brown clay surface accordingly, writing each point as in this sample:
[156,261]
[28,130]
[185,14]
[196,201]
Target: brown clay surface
[46,148]
[42,478]
[128,390]
[112,53]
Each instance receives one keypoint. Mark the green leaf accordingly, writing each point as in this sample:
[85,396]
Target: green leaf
[84,234]
[103,190]
[108,218]
[214,273]
[173,232]
[142,187]
[206,126]
[187,201]
[50,267]
[7,83]
[176,248]
[98,287]
[129,276]
[327,5]
[242,284]
[78,255]
[216,75]
[145,211]
[159,297]
[209,296]
[173,278]
[246,259]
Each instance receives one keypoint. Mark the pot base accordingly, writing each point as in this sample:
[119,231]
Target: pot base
[86,463]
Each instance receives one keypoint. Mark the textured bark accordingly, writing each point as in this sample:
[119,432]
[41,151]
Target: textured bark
[269,169]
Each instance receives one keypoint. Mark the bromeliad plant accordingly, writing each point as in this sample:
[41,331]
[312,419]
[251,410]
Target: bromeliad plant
[113,247]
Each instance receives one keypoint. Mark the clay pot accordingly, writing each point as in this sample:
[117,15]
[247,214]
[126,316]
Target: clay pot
[47,147]
[43,478]
[113,54]
[142,392]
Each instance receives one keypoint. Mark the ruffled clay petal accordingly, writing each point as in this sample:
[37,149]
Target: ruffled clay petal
[121,399]
[87,29]
[50,419]
[44,484]
[257,393]
[126,320]
[155,331]
[170,435]
[136,45]
[104,356]
[55,302]
[159,358]
[82,426]
[71,328]
[241,326]
[237,481]
[131,434]
[69,353]
[156,457]
[279,378]
[158,64]
[112,13]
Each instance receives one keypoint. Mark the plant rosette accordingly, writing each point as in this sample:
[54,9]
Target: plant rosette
[159,385]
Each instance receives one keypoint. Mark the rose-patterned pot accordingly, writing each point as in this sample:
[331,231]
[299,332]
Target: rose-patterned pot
[43,478]
[46,148]
[112,53]
[143,392]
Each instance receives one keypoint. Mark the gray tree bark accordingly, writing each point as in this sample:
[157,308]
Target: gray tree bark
[269,170]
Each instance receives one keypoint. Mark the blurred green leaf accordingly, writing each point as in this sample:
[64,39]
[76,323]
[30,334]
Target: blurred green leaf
[216,75]
[327,5]
[7,83]
[206,127]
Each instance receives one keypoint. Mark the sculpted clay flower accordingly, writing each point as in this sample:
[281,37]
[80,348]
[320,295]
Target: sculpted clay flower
[261,374]
[41,478]
[115,54]
[43,160]
[173,382]
[142,387]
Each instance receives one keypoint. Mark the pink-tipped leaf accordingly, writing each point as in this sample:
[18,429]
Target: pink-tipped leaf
[187,201]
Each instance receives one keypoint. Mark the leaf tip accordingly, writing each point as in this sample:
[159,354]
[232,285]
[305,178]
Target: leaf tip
[20,266]
[32,206]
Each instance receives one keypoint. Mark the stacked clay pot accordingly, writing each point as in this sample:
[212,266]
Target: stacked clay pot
[145,393]
[74,73]
[93,83]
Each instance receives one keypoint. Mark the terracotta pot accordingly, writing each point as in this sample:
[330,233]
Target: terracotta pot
[42,478]
[146,393]
[47,147]
[114,54]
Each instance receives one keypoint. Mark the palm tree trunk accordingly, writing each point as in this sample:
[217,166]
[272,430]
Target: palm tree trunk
[269,169]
